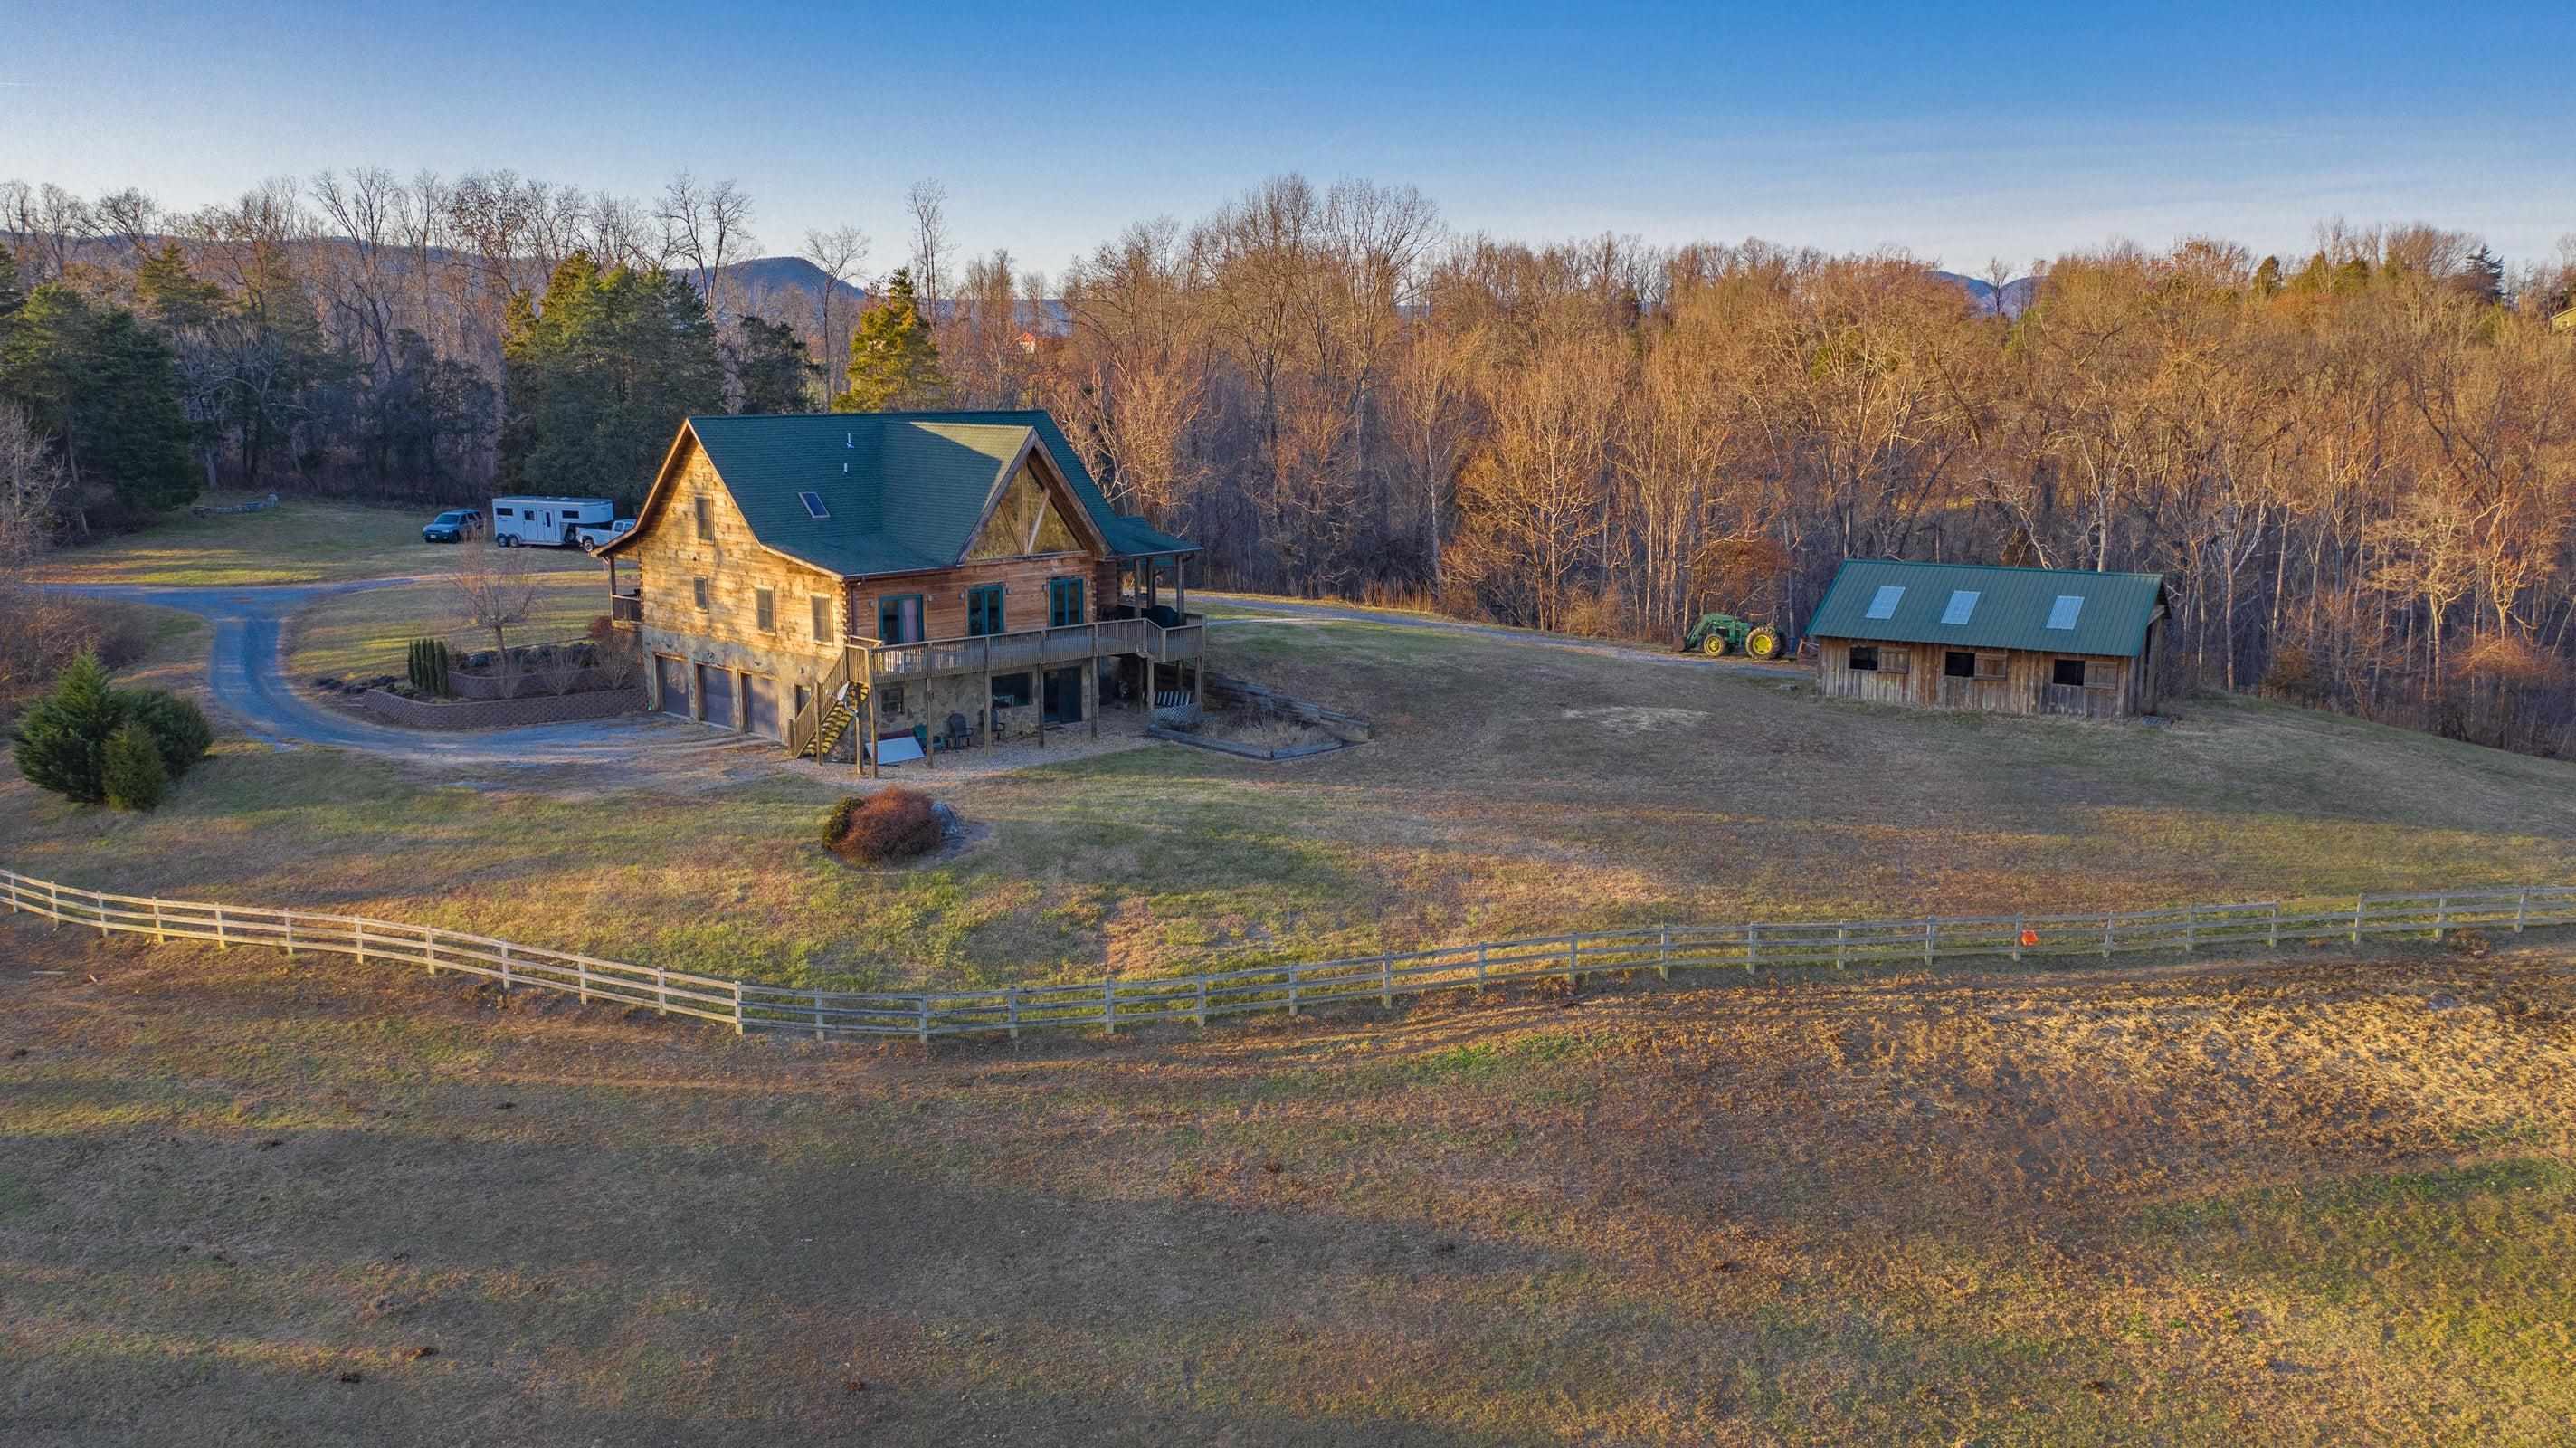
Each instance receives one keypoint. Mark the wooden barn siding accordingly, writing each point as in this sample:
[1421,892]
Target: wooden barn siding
[943,593]
[2024,688]
[670,557]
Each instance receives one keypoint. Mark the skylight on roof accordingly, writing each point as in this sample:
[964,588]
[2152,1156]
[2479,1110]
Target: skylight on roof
[2061,614]
[1963,602]
[1883,604]
[813,505]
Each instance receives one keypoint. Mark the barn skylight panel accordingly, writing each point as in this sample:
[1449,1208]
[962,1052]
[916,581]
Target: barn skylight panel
[2061,614]
[1883,603]
[1963,602]
[813,505]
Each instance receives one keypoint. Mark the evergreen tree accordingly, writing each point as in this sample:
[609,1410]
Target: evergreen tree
[107,389]
[770,372]
[62,738]
[131,774]
[2267,277]
[599,374]
[2483,276]
[894,364]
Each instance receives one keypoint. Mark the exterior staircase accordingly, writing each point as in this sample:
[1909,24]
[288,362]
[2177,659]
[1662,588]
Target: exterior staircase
[836,722]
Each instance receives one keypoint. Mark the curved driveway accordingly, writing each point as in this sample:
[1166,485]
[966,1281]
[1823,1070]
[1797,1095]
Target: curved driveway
[246,672]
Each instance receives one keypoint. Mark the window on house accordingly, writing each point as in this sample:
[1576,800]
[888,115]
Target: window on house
[1963,603]
[706,518]
[2062,613]
[1010,691]
[984,610]
[822,606]
[698,586]
[1864,657]
[1883,603]
[813,505]
[899,618]
[2068,673]
[890,699]
[764,609]
[1959,664]
[1064,602]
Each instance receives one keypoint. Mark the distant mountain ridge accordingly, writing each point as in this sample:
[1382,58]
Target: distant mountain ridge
[2012,299]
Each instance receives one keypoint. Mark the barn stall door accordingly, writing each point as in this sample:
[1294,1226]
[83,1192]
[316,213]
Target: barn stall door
[765,718]
[716,687]
[675,685]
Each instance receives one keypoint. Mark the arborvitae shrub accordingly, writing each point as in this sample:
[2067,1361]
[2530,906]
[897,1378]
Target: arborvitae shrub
[133,775]
[177,726]
[62,738]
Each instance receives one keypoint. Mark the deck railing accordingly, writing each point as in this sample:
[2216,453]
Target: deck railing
[1787,949]
[1036,648]
[625,608]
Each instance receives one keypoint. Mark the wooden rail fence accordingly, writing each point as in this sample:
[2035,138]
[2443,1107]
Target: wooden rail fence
[1110,1004]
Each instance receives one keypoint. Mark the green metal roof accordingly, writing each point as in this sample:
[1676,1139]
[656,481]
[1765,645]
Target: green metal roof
[901,491]
[1977,605]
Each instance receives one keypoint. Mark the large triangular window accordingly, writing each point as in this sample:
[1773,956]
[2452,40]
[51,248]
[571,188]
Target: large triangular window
[1025,521]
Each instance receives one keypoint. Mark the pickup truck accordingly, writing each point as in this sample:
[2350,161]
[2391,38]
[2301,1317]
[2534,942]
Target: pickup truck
[601,537]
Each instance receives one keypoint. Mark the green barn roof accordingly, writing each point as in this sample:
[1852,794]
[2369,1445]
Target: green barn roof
[1986,606]
[900,491]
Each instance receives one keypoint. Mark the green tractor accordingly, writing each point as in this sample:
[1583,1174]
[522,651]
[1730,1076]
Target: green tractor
[1720,634]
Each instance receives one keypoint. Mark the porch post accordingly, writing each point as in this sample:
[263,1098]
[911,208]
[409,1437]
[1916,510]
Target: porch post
[1091,679]
[867,755]
[1181,585]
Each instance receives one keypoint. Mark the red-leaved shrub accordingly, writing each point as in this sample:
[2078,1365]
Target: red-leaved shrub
[893,824]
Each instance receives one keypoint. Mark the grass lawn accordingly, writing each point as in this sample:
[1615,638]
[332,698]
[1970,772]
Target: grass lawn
[2319,1203]
[1509,791]
[301,540]
[369,633]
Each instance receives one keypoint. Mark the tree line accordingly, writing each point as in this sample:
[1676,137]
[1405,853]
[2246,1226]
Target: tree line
[2353,467]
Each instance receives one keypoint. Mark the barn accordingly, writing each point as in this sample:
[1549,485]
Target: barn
[2001,640]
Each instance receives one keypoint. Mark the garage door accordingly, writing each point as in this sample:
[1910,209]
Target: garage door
[716,687]
[675,684]
[764,720]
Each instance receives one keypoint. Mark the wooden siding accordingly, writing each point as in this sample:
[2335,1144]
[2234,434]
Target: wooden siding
[943,593]
[2011,681]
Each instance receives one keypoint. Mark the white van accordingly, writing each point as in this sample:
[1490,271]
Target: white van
[548,522]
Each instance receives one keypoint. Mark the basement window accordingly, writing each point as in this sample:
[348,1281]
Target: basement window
[2068,673]
[1883,603]
[1864,658]
[813,505]
[1963,602]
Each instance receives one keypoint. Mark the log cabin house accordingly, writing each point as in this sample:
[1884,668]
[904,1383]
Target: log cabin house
[2003,640]
[893,576]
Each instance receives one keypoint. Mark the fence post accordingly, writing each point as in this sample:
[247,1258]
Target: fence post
[1201,983]
[2272,934]
[505,965]
[922,1003]
[2190,927]
[1385,980]
[2358,902]
[98,904]
[1931,935]
[2018,929]
[1292,992]
[581,981]
[2108,920]
[737,1007]
[1109,1004]
[358,932]
[2441,916]
[818,1016]
[1752,946]
[662,989]
[1480,970]
[1842,945]
[289,917]
[57,912]
[2521,908]
[1664,953]
[429,952]
[159,936]
[1571,957]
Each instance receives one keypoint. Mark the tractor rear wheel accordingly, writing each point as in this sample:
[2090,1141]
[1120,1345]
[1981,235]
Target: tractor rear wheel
[1714,645]
[1762,643]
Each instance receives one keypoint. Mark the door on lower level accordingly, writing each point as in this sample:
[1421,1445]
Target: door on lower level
[675,684]
[763,716]
[716,687]
[1064,695]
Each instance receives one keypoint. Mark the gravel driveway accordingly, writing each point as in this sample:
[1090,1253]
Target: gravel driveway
[246,674]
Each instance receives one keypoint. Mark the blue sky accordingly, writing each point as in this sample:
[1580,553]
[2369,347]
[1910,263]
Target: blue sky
[1960,132]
